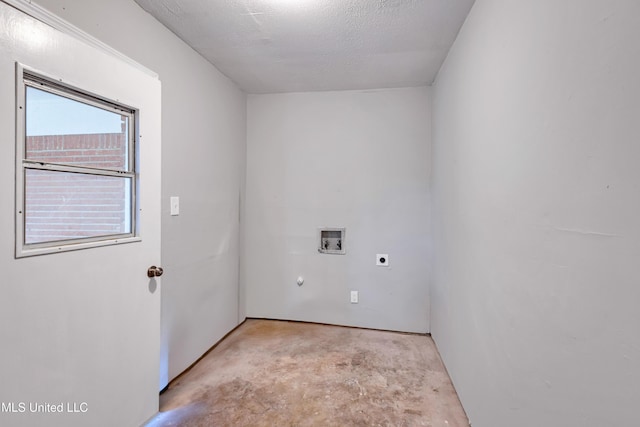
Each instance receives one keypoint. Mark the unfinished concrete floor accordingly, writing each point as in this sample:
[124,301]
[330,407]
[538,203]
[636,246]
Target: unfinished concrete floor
[276,373]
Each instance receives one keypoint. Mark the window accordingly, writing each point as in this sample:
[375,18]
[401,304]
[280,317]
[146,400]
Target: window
[76,169]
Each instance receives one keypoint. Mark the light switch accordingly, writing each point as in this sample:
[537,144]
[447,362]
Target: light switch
[175,206]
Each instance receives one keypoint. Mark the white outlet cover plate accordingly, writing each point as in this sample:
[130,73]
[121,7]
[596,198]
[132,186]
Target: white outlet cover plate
[354,297]
[380,262]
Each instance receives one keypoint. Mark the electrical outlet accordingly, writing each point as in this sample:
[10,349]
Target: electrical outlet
[354,297]
[382,260]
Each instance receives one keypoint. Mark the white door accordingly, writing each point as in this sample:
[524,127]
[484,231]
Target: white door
[80,329]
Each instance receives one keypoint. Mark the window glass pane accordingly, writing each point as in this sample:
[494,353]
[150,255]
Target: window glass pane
[64,206]
[62,130]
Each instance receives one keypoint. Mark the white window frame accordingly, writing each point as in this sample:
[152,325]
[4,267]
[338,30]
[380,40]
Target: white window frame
[28,77]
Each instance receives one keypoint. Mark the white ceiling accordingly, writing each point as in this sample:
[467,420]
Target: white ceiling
[269,46]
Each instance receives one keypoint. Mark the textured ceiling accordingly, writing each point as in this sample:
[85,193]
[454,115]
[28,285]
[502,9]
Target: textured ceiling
[269,46]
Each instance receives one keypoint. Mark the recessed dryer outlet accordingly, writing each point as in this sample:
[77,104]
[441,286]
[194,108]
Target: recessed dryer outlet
[382,260]
[331,240]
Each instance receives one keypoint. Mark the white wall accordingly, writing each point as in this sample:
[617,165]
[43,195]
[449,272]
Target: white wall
[354,159]
[536,205]
[203,143]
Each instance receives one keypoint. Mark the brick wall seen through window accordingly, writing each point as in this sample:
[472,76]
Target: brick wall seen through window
[62,206]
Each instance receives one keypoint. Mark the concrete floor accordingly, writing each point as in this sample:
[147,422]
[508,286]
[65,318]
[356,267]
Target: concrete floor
[275,373]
